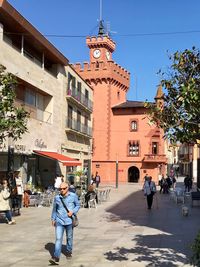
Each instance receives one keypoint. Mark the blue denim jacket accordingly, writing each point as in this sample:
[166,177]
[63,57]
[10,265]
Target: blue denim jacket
[59,213]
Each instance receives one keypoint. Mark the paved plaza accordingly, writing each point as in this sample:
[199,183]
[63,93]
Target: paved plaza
[121,232]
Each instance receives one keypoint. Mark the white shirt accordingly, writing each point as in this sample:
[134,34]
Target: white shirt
[19,185]
[58,182]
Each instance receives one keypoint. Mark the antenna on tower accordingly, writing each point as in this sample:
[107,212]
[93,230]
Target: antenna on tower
[108,29]
[101,27]
[100,17]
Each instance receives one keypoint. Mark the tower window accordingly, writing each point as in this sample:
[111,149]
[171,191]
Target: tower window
[97,65]
[134,125]
[118,94]
[133,148]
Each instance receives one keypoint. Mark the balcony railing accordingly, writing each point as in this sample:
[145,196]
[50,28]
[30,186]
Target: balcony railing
[154,158]
[78,127]
[80,97]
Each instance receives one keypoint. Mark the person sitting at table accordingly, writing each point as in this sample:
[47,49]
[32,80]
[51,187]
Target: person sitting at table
[89,193]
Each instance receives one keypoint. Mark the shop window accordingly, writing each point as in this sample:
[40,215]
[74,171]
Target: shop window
[133,148]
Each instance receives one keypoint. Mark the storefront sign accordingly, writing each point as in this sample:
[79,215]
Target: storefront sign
[17,148]
[40,143]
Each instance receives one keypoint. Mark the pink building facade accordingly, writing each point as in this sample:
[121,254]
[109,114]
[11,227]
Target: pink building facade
[125,145]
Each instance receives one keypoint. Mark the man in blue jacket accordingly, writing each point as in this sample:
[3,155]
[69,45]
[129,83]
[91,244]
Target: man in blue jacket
[62,220]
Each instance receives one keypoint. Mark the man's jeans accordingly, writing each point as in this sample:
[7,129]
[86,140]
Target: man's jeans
[8,214]
[59,238]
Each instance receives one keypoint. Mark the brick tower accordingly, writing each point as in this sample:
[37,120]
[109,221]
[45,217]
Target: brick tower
[110,83]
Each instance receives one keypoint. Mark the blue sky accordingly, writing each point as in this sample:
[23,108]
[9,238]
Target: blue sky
[142,55]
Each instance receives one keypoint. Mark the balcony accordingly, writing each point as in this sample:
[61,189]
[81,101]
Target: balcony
[152,158]
[74,126]
[80,99]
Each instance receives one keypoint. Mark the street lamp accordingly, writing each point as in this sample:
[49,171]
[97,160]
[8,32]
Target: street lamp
[10,166]
[117,173]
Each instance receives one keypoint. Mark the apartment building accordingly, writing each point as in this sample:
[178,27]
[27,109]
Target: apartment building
[78,119]
[54,143]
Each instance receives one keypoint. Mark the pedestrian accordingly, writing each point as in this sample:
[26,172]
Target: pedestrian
[62,220]
[146,177]
[177,171]
[149,191]
[161,184]
[72,187]
[169,183]
[5,201]
[20,189]
[188,183]
[92,179]
[89,193]
[97,179]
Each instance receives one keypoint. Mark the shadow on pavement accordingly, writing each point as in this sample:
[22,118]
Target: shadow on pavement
[50,248]
[167,235]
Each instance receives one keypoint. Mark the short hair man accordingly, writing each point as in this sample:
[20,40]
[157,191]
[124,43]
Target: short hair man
[62,220]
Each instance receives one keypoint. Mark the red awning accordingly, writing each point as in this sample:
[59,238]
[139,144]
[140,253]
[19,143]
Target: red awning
[66,161]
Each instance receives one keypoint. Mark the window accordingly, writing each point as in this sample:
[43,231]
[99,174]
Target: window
[133,148]
[71,82]
[154,148]
[79,90]
[78,121]
[30,97]
[118,95]
[70,112]
[134,125]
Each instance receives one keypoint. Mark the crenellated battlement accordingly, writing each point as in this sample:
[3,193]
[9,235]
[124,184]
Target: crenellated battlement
[102,67]
[103,71]
[101,41]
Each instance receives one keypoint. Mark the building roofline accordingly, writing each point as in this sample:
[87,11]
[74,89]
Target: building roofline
[25,27]
[130,104]
[72,67]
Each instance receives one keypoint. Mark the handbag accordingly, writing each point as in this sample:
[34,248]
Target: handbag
[74,217]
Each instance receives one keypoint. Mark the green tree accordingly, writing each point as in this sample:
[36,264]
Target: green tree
[13,120]
[179,115]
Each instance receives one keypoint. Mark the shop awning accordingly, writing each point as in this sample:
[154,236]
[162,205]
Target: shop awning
[66,161]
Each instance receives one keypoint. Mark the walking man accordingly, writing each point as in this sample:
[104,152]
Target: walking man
[62,220]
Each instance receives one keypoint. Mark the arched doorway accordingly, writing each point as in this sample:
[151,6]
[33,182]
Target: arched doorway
[133,174]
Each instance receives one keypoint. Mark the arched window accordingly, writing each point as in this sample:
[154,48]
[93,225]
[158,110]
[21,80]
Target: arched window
[134,125]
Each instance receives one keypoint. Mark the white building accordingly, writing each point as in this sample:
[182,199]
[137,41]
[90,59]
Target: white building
[43,89]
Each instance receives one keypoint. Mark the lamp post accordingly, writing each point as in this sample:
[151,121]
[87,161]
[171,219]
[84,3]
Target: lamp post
[10,166]
[117,173]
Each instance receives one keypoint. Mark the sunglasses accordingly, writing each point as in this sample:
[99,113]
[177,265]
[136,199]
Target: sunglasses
[64,188]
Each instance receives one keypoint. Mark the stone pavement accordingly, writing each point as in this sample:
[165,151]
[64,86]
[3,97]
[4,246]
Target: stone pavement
[119,233]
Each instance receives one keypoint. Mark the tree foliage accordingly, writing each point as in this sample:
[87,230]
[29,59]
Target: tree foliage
[13,120]
[195,259]
[179,116]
